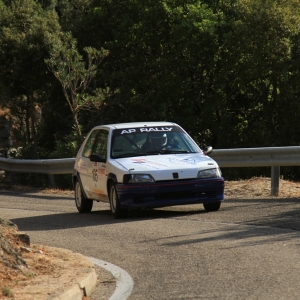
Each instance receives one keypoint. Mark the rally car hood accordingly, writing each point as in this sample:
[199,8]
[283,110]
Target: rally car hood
[163,167]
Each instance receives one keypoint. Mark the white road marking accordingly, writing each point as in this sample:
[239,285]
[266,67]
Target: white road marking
[124,284]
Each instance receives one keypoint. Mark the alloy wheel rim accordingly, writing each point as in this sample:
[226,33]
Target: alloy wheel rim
[114,199]
[78,195]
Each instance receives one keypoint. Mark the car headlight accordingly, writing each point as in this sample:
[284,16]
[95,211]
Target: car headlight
[137,178]
[209,173]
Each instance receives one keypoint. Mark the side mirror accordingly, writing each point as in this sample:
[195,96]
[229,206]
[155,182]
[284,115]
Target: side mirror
[97,158]
[207,150]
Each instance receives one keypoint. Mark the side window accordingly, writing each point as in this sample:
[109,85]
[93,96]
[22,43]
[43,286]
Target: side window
[100,146]
[87,151]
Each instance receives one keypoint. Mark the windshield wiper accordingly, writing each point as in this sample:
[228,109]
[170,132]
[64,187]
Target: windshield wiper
[166,151]
[155,152]
[130,154]
[176,151]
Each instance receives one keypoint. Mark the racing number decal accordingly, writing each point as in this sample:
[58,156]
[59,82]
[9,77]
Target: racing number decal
[95,175]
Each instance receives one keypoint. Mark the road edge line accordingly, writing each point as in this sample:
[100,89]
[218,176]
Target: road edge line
[124,283]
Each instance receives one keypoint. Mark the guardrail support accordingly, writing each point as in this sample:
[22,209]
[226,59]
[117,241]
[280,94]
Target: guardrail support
[275,173]
[52,181]
[13,179]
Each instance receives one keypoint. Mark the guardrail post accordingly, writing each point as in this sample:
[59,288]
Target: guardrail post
[52,181]
[13,179]
[275,173]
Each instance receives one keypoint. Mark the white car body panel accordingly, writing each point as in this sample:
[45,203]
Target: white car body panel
[162,167]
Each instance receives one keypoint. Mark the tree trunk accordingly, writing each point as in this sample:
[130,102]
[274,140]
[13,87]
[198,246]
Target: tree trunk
[27,121]
[33,129]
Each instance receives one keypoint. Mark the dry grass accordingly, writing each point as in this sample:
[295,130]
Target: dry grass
[260,187]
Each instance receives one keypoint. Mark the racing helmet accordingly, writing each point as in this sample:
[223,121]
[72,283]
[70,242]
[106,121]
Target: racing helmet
[158,139]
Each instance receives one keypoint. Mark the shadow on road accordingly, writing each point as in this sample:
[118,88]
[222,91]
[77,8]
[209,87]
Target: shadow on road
[238,219]
[55,221]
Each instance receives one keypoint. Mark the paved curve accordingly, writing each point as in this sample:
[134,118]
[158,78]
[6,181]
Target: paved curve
[247,250]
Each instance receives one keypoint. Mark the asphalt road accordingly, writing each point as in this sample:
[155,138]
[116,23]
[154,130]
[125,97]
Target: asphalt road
[249,249]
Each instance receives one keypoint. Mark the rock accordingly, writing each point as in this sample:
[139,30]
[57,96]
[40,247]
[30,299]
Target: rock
[23,238]
[10,254]
[8,223]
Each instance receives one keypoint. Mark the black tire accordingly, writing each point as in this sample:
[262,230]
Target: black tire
[115,203]
[83,204]
[212,206]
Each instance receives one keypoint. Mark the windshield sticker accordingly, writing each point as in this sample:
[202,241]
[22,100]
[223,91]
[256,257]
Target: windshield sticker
[148,163]
[95,175]
[102,172]
[147,129]
[190,161]
[139,160]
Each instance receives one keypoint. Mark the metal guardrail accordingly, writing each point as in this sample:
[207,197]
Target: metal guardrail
[273,157]
[257,157]
[39,166]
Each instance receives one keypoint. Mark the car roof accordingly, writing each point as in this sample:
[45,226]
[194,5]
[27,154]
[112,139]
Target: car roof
[137,124]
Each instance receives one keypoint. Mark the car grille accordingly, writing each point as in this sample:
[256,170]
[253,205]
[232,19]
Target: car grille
[179,195]
[209,194]
[175,195]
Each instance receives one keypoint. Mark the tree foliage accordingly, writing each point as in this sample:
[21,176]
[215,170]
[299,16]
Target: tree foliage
[226,70]
[23,71]
[74,74]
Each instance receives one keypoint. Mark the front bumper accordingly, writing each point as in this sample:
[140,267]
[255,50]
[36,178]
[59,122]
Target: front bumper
[169,193]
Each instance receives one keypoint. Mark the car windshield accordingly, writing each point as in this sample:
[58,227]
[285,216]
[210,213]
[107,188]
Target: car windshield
[157,140]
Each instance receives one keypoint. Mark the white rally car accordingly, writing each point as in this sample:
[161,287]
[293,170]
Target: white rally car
[144,165]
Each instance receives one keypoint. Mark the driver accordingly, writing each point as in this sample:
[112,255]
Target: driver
[158,141]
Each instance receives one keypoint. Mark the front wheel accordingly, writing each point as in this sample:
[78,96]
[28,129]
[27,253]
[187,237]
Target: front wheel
[115,203]
[83,204]
[212,206]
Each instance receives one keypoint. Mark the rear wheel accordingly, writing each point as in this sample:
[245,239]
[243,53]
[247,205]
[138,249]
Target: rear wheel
[83,204]
[115,203]
[212,206]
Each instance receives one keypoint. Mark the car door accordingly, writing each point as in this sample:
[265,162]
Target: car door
[84,163]
[97,170]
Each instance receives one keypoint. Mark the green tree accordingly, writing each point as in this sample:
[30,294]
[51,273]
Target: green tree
[255,65]
[23,25]
[75,75]
[161,58]
[226,70]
